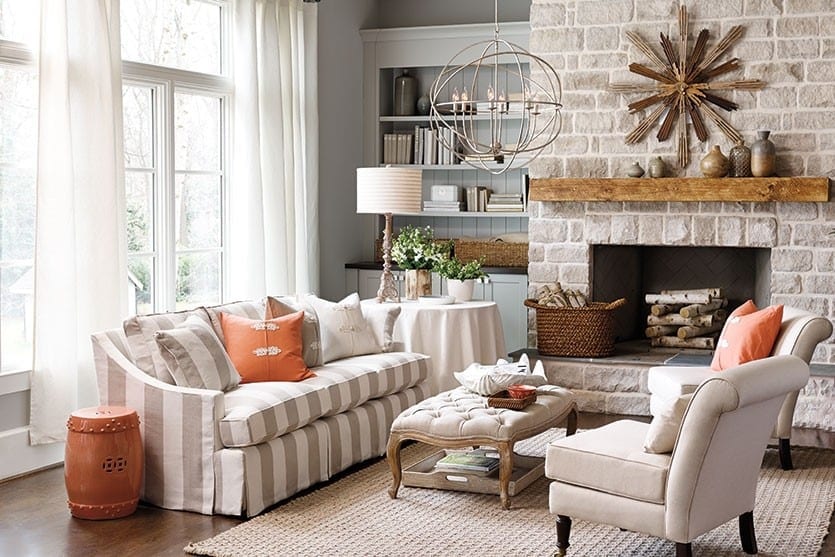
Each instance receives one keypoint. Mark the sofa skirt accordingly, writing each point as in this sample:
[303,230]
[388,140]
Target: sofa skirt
[250,479]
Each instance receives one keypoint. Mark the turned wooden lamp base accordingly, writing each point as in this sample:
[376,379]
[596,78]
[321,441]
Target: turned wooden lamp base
[388,290]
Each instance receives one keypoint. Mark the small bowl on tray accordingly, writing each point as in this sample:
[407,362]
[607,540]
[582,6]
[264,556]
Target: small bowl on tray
[521,391]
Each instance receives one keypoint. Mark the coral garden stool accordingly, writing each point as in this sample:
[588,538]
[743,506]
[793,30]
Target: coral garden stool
[460,418]
[103,462]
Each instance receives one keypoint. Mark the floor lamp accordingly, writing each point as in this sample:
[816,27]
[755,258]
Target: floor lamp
[384,191]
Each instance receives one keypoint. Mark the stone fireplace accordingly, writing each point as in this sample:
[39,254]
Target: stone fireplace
[632,271]
[790,246]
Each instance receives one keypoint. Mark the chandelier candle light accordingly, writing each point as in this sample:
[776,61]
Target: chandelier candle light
[491,68]
[384,191]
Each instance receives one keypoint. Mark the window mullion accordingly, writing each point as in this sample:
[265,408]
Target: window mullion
[166,233]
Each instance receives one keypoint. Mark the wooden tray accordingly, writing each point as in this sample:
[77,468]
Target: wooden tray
[526,469]
[504,400]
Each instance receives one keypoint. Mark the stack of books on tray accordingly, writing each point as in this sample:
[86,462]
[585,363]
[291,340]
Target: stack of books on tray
[477,460]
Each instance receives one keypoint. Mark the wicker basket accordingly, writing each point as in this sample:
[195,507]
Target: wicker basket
[585,332]
[494,254]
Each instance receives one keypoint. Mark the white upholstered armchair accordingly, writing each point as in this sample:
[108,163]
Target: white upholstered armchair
[604,475]
[800,332]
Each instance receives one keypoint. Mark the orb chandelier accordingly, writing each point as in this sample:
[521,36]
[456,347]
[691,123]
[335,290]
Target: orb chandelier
[500,103]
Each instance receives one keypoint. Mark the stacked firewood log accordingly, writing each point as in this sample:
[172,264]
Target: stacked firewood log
[686,318]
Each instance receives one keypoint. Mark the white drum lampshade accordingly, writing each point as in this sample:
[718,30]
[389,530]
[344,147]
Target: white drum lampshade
[388,189]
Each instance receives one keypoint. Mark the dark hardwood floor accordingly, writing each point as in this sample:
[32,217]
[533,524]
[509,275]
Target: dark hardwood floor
[35,521]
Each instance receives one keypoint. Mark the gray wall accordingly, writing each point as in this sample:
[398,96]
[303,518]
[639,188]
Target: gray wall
[340,110]
[340,136]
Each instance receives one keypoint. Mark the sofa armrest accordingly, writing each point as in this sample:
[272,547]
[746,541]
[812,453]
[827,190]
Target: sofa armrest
[178,427]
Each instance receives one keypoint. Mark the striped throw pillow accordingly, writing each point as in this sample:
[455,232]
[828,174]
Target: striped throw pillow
[195,357]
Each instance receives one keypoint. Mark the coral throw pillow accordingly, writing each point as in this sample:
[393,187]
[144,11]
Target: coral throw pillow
[269,350]
[748,335]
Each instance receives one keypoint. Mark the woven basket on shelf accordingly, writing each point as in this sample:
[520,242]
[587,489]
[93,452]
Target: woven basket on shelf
[494,254]
[585,332]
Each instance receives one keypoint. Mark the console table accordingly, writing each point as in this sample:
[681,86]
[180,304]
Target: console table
[453,335]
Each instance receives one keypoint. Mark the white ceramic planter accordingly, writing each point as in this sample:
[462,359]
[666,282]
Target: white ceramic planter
[461,290]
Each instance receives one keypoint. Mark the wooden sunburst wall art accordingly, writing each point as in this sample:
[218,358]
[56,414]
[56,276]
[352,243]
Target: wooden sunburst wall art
[683,86]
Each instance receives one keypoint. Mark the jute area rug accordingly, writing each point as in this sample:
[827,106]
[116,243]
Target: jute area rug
[355,516]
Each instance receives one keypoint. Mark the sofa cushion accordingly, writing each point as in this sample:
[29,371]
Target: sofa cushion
[279,306]
[249,309]
[140,331]
[663,430]
[258,412]
[381,318]
[343,328]
[195,356]
[266,350]
[747,337]
[610,459]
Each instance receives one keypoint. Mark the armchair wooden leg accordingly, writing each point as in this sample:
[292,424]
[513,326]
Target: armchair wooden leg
[684,550]
[785,451]
[746,533]
[563,532]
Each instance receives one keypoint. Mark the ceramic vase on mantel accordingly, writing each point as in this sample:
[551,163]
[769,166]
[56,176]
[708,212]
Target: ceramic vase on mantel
[714,164]
[461,290]
[763,155]
[740,161]
[418,283]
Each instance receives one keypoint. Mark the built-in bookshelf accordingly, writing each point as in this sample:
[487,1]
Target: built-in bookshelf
[423,52]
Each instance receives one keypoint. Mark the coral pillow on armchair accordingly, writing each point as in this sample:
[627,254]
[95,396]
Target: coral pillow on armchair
[266,350]
[748,335]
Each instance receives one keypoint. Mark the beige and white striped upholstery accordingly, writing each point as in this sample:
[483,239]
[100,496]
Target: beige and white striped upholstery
[258,412]
[140,330]
[195,357]
[178,427]
[279,306]
[250,479]
[186,465]
[250,310]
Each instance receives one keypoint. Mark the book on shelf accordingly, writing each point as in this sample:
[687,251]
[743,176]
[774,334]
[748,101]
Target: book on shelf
[505,208]
[397,148]
[477,198]
[478,460]
[453,206]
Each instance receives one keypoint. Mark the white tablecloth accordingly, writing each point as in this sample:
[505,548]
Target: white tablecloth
[454,335]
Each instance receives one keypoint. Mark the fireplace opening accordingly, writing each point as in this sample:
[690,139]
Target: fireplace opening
[631,272]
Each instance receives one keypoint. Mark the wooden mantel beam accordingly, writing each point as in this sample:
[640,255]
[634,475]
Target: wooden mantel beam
[798,188]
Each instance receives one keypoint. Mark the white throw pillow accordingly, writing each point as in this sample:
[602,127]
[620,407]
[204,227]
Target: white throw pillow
[489,380]
[663,430]
[381,318]
[195,356]
[343,329]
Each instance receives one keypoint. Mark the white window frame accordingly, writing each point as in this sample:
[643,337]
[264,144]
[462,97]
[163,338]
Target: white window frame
[13,53]
[166,81]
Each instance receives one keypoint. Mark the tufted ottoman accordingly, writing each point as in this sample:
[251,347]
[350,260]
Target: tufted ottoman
[459,418]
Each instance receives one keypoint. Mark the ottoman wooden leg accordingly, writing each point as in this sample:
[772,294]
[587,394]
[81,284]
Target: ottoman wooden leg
[393,457]
[505,471]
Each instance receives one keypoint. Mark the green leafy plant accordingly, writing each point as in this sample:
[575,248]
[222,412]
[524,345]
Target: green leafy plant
[416,248]
[454,268]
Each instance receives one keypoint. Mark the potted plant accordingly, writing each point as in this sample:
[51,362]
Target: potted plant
[416,251]
[460,277]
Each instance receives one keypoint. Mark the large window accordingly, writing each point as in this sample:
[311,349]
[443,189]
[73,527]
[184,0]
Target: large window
[176,107]
[18,164]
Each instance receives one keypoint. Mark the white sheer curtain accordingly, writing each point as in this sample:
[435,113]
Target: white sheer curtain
[80,250]
[274,243]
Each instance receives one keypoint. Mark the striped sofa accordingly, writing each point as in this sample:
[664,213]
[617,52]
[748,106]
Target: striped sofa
[238,452]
